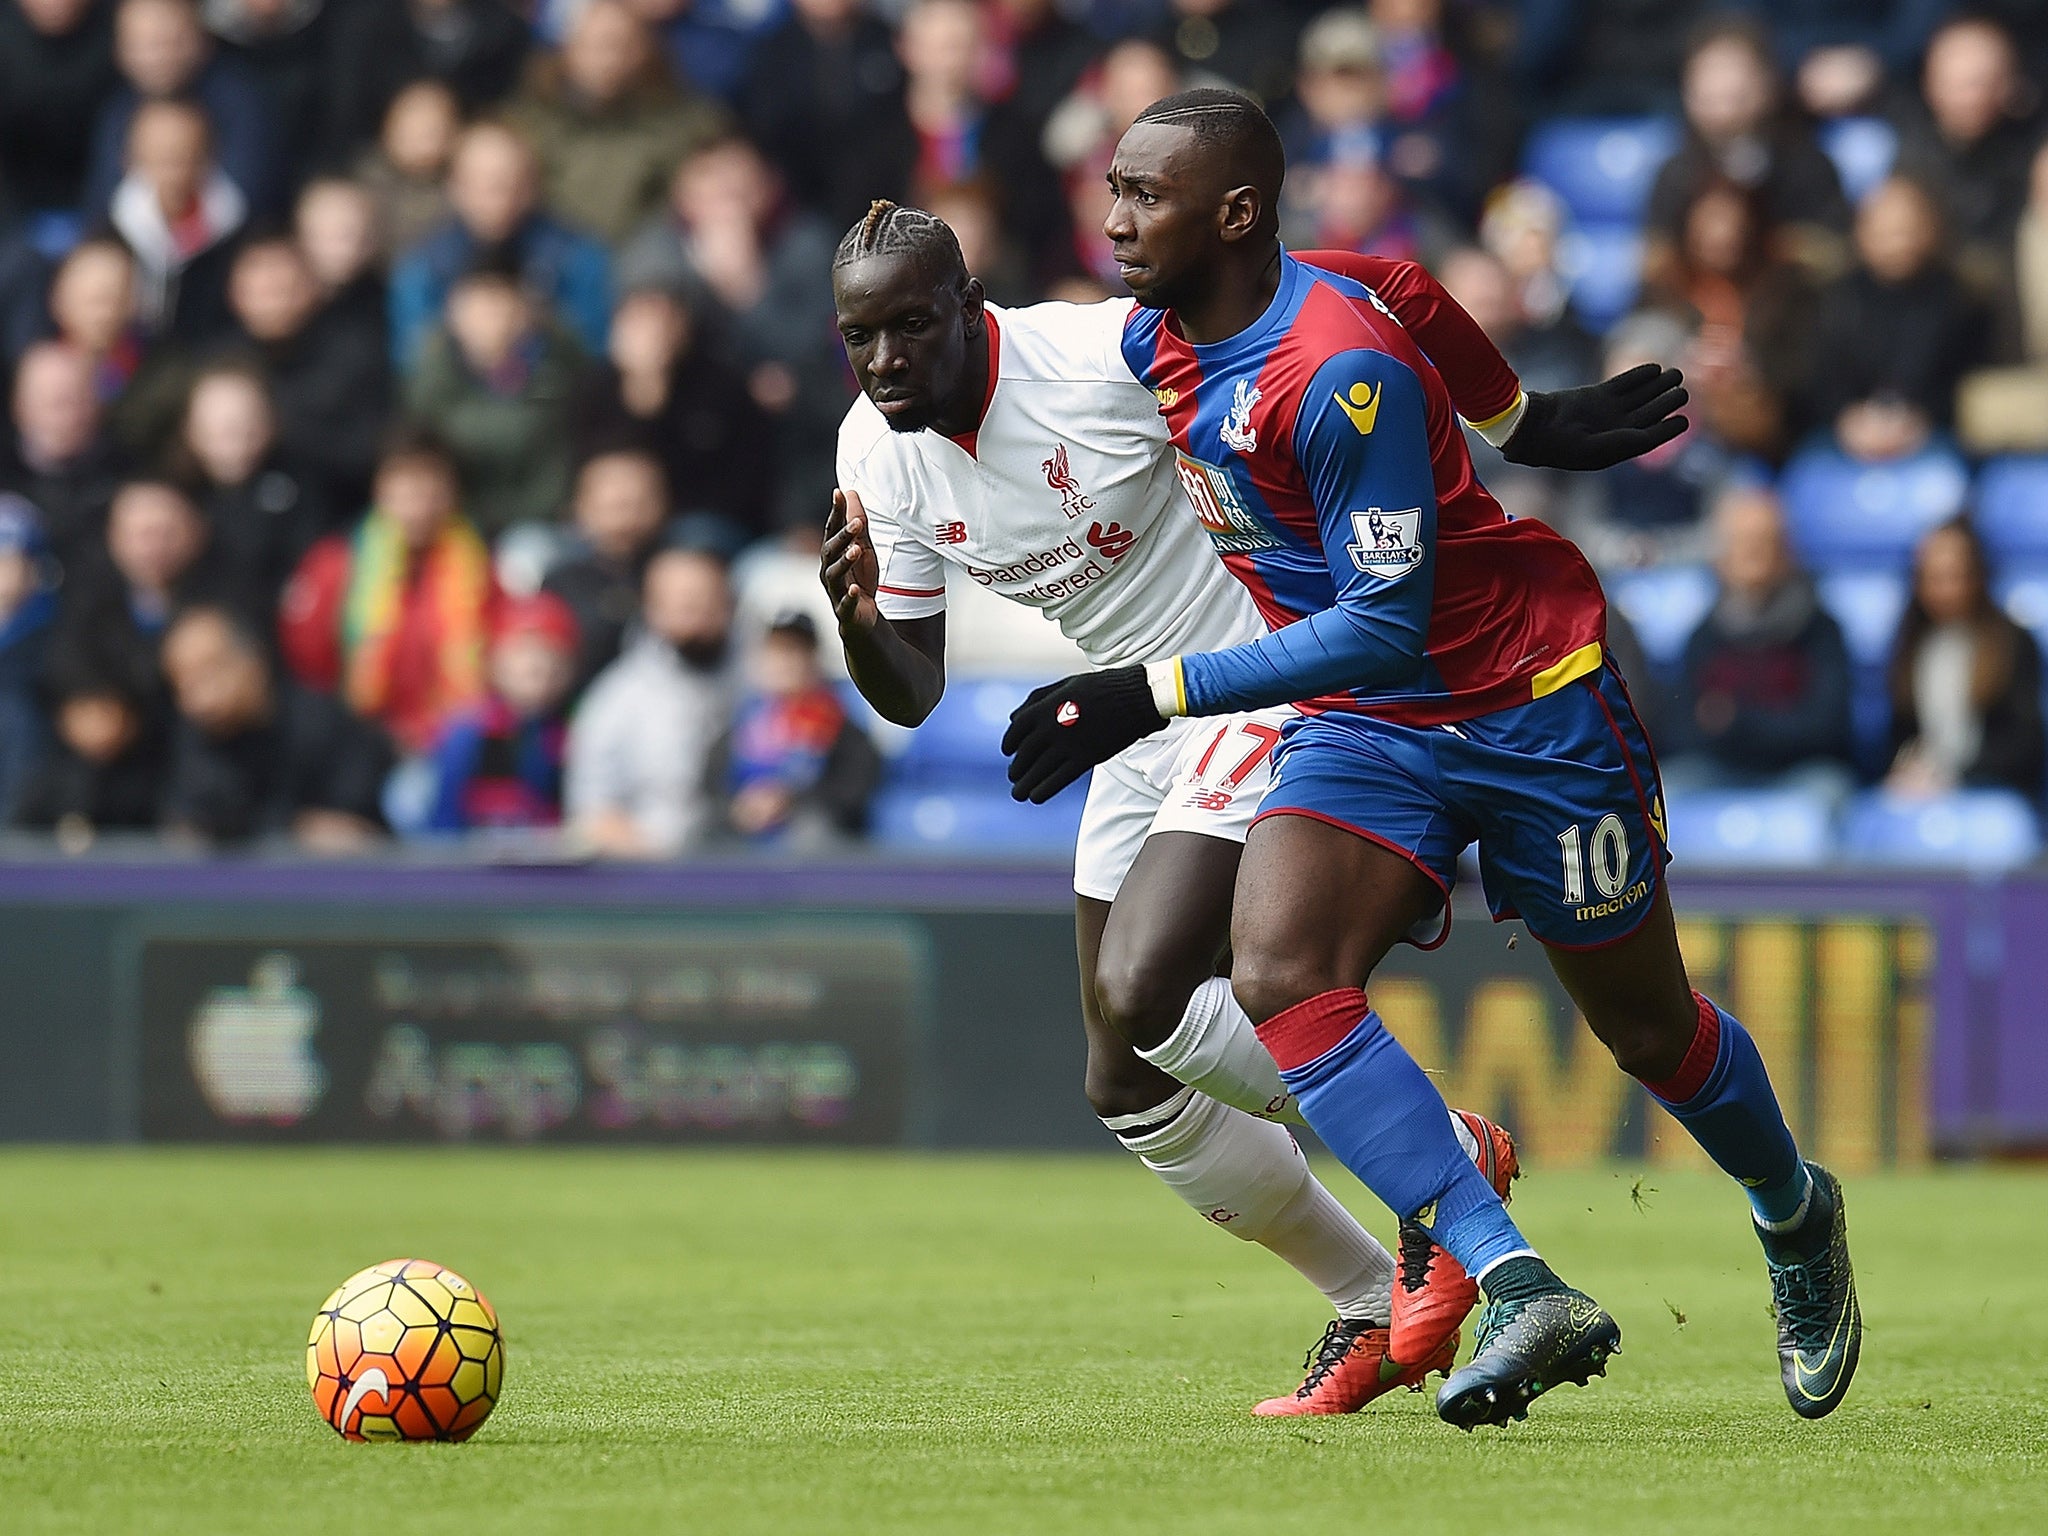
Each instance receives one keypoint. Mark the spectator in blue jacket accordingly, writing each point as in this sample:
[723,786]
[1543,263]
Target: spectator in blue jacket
[1765,698]
[499,763]
[27,609]
[494,187]
[164,54]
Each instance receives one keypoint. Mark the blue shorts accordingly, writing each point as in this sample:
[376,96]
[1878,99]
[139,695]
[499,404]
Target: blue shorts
[1561,794]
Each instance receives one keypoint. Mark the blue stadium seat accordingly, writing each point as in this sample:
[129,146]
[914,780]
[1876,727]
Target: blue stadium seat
[1603,266]
[1863,149]
[984,820]
[2012,508]
[1752,828]
[2023,592]
[1867,604]
[1981,830]
[1602,167]
[1665,605]
[961,744]
[1863,516]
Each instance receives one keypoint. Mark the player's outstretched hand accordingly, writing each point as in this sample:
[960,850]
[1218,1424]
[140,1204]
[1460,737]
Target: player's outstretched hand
[1600,425]
[1065,728]
[848,567]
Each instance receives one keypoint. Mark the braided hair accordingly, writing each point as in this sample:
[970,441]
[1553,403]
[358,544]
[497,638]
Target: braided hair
[890,229]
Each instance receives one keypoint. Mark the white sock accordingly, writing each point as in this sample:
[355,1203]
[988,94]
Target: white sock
[1247,1176]
[1215,1048]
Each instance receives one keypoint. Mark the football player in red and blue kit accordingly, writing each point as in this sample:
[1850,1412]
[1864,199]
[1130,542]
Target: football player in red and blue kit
[1449,668]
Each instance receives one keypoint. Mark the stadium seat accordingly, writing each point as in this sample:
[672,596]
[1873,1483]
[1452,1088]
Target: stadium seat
[1867,605]
[960,745]
[976,820]
[2012,508]
[1980,830]
[1602,167]
[1846,515]
[2023,593]
[1603,266]
[1665,605]
[1863,149]
[1752,828]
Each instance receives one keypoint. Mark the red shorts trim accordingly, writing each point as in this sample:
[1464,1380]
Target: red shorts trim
[1374,838]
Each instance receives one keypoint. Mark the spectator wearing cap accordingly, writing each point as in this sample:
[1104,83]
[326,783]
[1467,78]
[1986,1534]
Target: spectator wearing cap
[474,47]
[165,54]
[609,121]
[255,756]
[1739,132]
[498,764]
[58,459]
[1766,674]
[621,505]
[327,370]
[495,383]
[106,769]
[638,782]
[494,187]
[663,390]
[179,214]
[28,609]
[394,615]
[56,67]
[795,769]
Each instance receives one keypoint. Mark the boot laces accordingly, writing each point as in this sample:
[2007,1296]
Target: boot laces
[1329,1352]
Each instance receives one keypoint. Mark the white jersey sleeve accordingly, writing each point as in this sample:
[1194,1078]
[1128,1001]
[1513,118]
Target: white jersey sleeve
[913,576]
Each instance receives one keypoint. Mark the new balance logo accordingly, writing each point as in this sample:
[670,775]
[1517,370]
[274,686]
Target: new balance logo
[952,533]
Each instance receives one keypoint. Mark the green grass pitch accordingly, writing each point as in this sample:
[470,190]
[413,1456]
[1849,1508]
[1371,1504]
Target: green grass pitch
[826,1343]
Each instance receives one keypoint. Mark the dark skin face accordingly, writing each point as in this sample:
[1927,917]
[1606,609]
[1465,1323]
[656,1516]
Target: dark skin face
[914,338]
[1187,238]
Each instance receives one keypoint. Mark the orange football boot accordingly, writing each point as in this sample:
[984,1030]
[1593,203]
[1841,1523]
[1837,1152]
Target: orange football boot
[1349,1367]
[1432,1293]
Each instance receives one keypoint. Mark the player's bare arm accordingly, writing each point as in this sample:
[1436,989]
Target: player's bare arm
[899,666]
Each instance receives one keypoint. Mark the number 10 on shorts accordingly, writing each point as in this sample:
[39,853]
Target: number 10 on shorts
[1609,861]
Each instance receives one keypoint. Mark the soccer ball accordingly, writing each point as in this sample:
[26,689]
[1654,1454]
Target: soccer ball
[405,1350]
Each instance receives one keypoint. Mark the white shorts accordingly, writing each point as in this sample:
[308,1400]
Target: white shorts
[1198,775]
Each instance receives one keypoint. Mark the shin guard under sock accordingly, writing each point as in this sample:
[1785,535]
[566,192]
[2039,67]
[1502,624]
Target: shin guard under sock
[1363,1094]
[1723,1096]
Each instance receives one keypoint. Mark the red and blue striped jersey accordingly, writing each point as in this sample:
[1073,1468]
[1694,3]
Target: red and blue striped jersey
[1322,453]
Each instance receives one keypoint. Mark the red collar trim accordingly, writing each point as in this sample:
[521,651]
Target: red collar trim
[995,356]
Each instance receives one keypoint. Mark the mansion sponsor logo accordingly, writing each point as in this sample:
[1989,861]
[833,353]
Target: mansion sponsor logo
[1231,527]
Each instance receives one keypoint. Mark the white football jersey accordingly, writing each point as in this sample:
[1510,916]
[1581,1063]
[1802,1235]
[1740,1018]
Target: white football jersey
[1065,499]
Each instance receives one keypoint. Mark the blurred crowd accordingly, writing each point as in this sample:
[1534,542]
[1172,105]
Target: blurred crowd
[420,413]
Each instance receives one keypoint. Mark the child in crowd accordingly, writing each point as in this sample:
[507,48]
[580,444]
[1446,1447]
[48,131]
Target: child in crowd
[797,769]
[499,764]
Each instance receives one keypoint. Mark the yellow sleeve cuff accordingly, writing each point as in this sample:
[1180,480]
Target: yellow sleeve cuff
[1498,429]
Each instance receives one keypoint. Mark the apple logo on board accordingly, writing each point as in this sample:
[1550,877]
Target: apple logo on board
[252,1047]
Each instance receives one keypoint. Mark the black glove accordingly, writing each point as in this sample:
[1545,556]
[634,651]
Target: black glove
[1065,728]
[1600,425]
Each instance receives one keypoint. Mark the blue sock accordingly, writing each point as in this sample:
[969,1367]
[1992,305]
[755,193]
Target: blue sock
[1363,1094]
[1723,1096]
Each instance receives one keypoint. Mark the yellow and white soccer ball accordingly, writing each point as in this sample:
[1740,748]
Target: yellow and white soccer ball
[405,1350]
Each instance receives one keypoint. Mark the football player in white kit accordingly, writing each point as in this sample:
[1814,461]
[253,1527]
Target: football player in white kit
[1017,446]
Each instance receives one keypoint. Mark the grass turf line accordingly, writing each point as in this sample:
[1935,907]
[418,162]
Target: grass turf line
[825,1342]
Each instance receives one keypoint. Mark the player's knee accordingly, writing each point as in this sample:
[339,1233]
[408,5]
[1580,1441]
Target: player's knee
[1119,1084]
[1271,984]
[1142,998]
[1647,1048]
